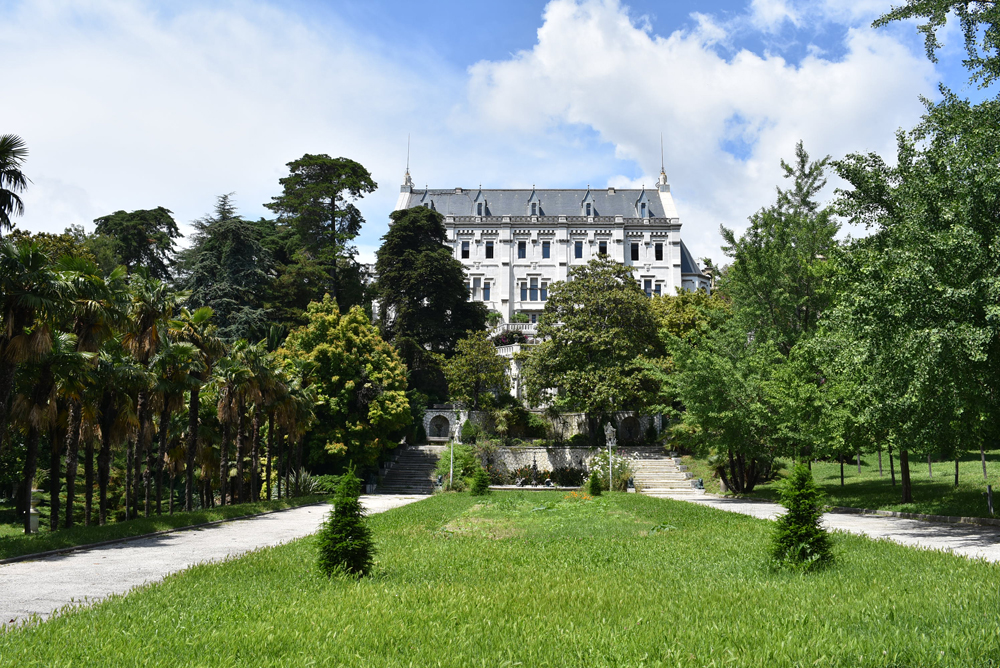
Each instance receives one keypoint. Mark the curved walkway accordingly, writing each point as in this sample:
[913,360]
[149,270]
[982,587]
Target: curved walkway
[974,541]
[44,586]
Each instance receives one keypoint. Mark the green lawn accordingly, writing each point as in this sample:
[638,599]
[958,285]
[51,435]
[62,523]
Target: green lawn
[934,496]
[14,543]
[541,580]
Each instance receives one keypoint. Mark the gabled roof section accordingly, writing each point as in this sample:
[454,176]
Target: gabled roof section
[554,202]
[688,263]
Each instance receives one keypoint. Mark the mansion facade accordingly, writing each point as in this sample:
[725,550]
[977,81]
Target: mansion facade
[515,243]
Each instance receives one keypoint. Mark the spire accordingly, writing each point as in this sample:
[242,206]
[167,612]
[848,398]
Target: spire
[407,181]
[662,184]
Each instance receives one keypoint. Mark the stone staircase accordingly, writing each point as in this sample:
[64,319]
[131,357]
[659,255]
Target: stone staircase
[411,471]
[657,473]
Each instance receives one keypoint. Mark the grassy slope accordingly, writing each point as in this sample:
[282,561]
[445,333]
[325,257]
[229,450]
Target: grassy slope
[14,543]
[536,580]
[935,496]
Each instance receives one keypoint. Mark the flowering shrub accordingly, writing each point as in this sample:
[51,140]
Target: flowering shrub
[621,469]
[509,338]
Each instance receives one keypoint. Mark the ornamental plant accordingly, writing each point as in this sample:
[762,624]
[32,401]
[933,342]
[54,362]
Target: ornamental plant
[594,484]
[799,542]
[480,483]
[345,544]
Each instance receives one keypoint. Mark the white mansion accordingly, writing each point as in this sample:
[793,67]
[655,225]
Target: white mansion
[515,243]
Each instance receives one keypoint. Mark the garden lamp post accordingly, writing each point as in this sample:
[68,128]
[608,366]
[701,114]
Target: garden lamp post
[609,436]
[451,466]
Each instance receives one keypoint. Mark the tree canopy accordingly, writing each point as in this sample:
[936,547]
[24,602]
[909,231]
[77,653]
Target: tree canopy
[142,238]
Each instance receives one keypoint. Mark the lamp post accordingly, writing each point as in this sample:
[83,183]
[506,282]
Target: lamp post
[451,466]
[609,436]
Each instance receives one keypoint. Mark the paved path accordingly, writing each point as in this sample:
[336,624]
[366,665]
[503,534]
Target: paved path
[963,539]
[41,587]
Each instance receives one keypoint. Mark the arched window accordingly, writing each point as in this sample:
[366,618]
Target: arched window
[588,208]
[534,209]
[479,209]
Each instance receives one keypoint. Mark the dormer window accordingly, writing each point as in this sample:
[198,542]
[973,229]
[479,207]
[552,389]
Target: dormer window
[534,208]
[588,208]
[479,209]
[642,210]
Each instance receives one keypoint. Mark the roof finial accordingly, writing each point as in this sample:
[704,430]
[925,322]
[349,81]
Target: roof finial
[407,181]
[661,184]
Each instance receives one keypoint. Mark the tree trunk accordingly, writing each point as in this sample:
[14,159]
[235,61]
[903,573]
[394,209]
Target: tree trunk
[904,474]
[956,471]
[880,462]
[255,456]
[841,470]
[88,476]
[298,454]
[72,452]
[270,454]
[55,479]
[129,477]
[161,453]
[892,470]
[930,471]
[192,446]
[7,370]
[104,474]
[240,452]
[145,450]
[224,463]
[30,466]
[171,504]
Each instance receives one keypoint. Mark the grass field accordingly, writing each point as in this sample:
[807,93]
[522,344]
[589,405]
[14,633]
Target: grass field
[935,495]
[14,542]
[545,580]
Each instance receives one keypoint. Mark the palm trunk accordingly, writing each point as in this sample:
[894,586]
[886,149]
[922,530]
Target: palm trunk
[281,461]
[88,476]
[55,479]
[904,474]
[224,463]
[7,370]
[270,454]
[162,453]
[192,446]
[240,451]
[172,477]
[129,466]
[104,474]
[144,450]
[255,456]
[72,453]
[30,466]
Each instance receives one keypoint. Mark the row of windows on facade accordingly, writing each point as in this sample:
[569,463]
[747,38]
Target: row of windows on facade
[587,209]
[534,290]
[602,249]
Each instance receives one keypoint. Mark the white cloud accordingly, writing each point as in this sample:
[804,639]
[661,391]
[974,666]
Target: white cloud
[124,106]
[769,15]
[592,67]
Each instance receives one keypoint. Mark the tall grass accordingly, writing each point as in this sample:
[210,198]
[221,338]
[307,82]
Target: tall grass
[545,580]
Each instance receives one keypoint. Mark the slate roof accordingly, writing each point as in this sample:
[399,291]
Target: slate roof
[552,202]
[688,264]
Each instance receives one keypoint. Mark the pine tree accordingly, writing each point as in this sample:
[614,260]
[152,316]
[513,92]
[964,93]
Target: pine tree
[799,541]
[480,483]
[345,544]
[594,484]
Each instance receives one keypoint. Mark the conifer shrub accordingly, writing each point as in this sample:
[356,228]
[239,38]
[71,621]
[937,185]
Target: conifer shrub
[480,483]
[345,544]
[594,484]
[470,432]
[799,542]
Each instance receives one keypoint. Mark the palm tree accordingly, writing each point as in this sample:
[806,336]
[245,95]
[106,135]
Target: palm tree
[196,328]
[172,367]
[29,292]
[231,378]
[151,305]
[13,152]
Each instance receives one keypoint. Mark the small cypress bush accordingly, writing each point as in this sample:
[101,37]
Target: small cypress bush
[345,544]
[799,542]
[480,483]
[594,484]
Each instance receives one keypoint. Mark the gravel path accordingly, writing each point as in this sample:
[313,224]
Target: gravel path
[44,586]
[982,542]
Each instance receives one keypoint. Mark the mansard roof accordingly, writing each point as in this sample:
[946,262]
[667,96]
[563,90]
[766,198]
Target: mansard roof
[553,202]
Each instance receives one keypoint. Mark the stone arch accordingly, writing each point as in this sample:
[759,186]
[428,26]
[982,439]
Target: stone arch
[440,427]
[630,430]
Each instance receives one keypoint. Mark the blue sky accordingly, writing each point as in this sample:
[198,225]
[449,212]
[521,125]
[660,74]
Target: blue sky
[142,104]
